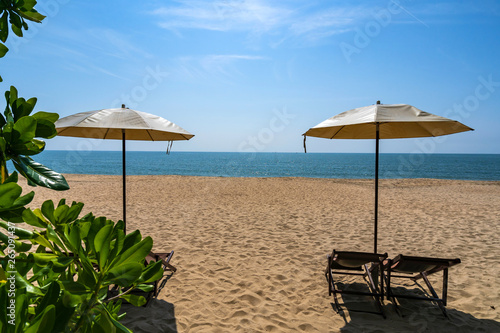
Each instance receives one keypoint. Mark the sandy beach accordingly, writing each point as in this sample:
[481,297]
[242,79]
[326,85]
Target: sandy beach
[251,252]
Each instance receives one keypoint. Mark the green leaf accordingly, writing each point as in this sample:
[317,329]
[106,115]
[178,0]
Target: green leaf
[28,12]
[42,259]
[73,212]
[8,134]
[43,241]
[22,108]
[19,232]
[31,218]
[74,238]
[53,237]
[26,126]
[75,288]
[117,245]
[153,272]
[40,174]
[3,50]
[71,300]
[21,300]
[16,24]
[48,210]
[13,178]
[102,242]
[4,27]
[136,253]
[18,246]
[13,215]
[47,116]
[60,214]
[87,275]
[131,239]
[24,200]
[50,297]
[45,129]
[22,282]
[9,193]
[119,326]
[33,147]
[135,300]
[43,322]
[124,275]
[145,287]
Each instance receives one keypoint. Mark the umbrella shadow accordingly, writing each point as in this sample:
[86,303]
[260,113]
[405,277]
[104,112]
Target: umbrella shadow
[157,316]
[415,315]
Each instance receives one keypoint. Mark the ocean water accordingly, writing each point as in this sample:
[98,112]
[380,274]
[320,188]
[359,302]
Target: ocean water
[315,165]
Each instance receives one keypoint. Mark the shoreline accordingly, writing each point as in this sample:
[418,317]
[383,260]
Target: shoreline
[285,177]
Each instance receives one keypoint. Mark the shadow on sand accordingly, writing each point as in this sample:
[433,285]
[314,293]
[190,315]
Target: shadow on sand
[416,316]
[157,317]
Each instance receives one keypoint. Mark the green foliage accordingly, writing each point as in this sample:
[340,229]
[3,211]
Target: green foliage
[65,268]
[16,12]
[19,140]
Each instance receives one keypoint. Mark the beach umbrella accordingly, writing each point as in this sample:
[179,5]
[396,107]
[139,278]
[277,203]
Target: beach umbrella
[389,121]
[121,124]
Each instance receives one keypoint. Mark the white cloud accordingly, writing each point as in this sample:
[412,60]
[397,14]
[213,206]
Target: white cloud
[246,15]
[280,20]
[221,66]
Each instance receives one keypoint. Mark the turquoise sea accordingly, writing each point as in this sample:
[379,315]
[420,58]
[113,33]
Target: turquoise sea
[316,165]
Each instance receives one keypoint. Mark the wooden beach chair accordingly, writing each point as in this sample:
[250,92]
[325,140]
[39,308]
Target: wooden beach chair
[416,268]
[356,263]
[165,258]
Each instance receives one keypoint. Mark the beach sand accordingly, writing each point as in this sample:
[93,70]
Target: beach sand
[251,252]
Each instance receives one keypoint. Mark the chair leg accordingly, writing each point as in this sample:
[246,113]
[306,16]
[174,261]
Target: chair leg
[445,285]
[374,289]
[389,294]
[434,294]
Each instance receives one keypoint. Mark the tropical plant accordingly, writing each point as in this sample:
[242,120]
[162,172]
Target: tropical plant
[19,139]
[65,270]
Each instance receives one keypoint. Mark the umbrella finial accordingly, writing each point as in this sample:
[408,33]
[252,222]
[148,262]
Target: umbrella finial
[123,106]
[378,102]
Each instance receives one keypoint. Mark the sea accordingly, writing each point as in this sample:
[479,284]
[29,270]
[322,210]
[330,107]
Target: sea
[313,165]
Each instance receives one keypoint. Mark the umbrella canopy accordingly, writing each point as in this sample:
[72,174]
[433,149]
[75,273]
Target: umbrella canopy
[395,121]
[121,124]
[379,121]
[110,123]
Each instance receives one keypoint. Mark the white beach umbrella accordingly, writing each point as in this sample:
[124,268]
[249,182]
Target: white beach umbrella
[379,121]
[121,124]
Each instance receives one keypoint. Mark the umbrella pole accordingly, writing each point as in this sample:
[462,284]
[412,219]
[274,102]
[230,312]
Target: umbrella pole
[377,138]
[124,174]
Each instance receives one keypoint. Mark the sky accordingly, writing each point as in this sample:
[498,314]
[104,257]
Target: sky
[253,76]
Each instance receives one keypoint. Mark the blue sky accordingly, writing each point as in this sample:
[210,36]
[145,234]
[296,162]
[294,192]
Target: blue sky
[255,75]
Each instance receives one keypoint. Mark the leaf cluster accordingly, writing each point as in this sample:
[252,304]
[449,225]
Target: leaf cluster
[20,134]
[66,266]
[16,12]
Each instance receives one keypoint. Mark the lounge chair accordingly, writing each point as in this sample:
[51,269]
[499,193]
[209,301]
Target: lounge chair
[416,268]
[165,257]
[356,263]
